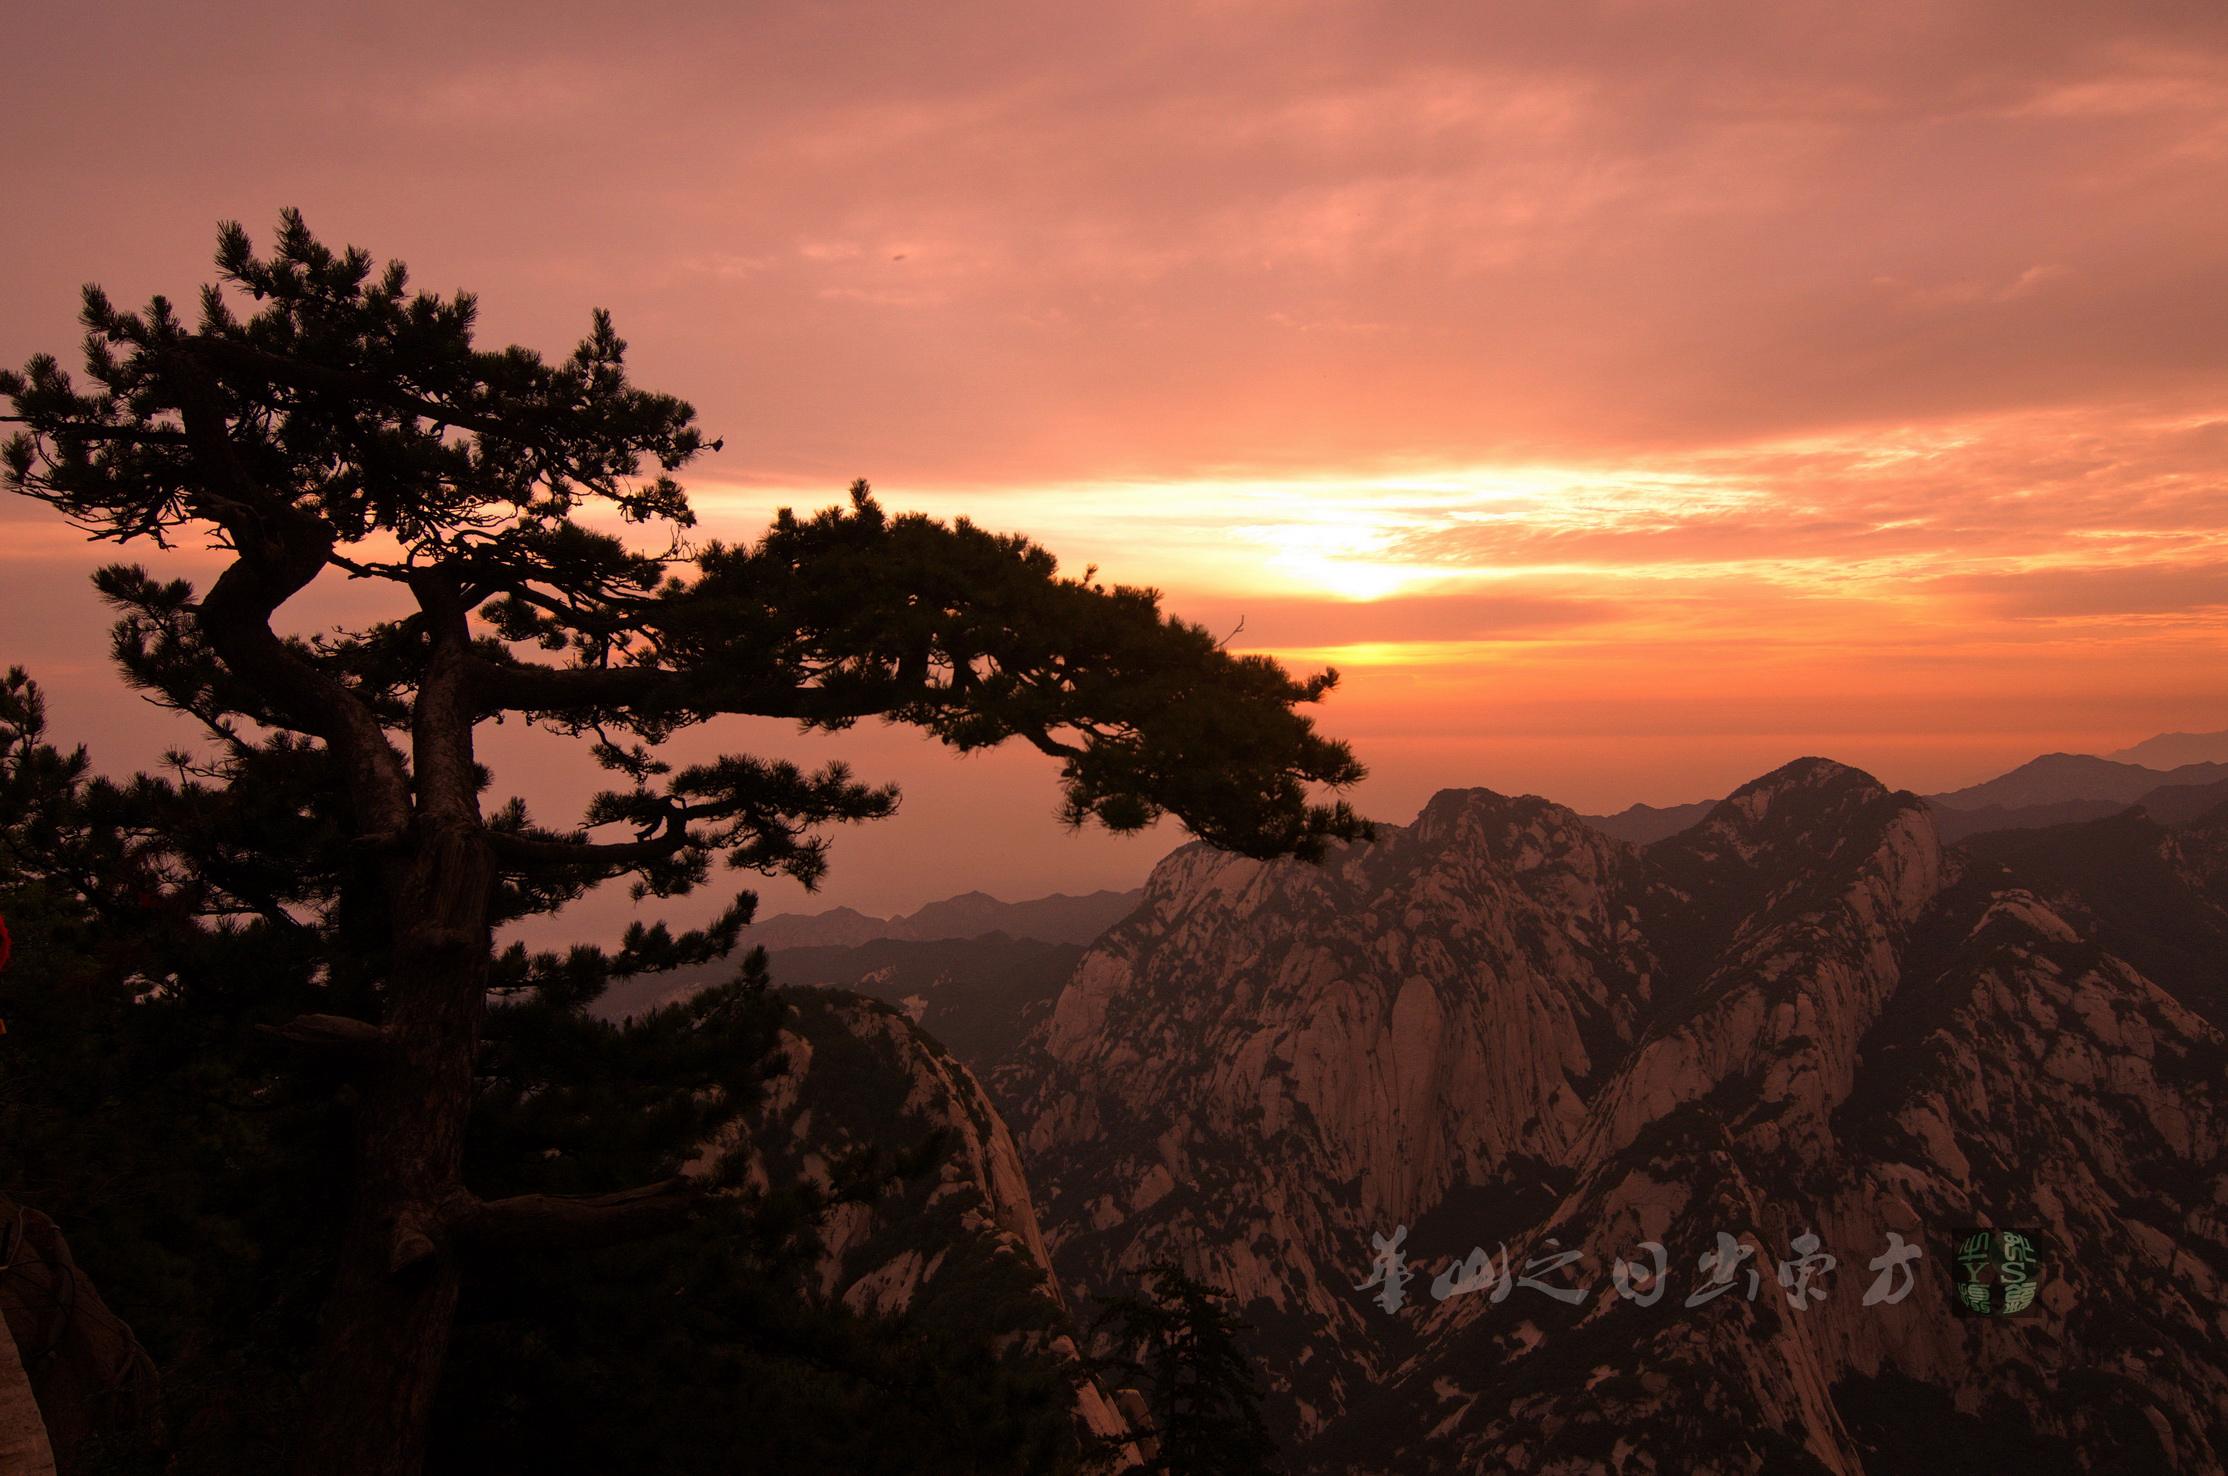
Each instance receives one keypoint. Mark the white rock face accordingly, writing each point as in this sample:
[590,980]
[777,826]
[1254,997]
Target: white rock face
[1499,1025]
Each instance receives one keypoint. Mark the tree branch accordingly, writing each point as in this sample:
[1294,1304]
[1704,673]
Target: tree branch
[1041,739]
[573,1222]
[526,686]
[280,370]
[335,1034]
[525,853]
[90,432]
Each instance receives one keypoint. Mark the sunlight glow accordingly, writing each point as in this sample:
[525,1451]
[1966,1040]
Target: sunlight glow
[1359,537]
[1786,556]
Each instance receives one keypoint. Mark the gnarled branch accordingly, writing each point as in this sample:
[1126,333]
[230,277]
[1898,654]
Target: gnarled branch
[558,690]
[235,616]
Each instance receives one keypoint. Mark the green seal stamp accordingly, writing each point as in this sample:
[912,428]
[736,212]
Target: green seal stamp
[1997,1272]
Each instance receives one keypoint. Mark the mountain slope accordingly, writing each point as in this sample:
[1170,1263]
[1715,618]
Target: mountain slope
[1955,824]
[951,1239]
[2154,895]
[2183,804]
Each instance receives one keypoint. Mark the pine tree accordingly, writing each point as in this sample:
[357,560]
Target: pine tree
[1202,1389]
[338,423]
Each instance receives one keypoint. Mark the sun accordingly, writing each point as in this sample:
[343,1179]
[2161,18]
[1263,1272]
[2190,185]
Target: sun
[1342,559]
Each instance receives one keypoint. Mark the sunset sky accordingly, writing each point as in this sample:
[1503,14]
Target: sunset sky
[1626,397]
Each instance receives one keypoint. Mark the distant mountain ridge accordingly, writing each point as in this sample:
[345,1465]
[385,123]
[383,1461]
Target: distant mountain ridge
[2056,778]
[2053,789]
[1646,824]
[1059,918]
[2173,750]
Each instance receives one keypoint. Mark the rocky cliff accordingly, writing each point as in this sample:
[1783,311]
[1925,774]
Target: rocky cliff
[1800,1032]
[936,1224]
[73,1378]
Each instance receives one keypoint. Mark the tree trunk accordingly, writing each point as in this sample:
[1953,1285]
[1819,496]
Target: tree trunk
[386,1326]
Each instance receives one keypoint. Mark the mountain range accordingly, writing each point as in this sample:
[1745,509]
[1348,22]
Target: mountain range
[976,971]
[1525,1147]
[1059,918]
[1498,1034]
[2173,775]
